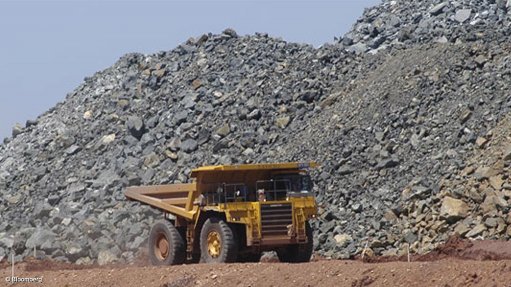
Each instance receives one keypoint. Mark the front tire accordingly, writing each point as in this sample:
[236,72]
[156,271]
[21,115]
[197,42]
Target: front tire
[166,245]
[218,242]
[298,253]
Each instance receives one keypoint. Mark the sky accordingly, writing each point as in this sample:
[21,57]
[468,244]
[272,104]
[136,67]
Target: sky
[49,47]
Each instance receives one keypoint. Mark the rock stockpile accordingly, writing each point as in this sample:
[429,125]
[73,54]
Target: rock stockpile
[149,120]
[396,133]
[407,23]
[420,115]
[475,201]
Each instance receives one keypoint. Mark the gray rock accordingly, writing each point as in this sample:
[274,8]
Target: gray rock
[105,140]
[74,251]
[223,130]
[308,96]
[53,199]
[462,229]
[387,163]
[345,170]
[343,239]
[327,226]
[356,207]
[254,115]
[174,144]
[14,199]
[437,9]
[43,210]
[462,15]
[481,60]
[106,257]
[76,188]
[189,145]
[6,242]
[41,238]
[491,222]
[188,102]
[135,126]
[84,261]
[180,117]
[230,32]
[358,48]
[31,123]
[17,130]
[410,237]
[282,122]
[72,150]
[477,230]
[152,160]
[269,257]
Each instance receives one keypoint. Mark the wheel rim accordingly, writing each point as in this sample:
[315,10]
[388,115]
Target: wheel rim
[161,249]
[214,244]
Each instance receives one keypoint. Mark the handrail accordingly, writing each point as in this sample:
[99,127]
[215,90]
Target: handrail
[273,190]
[227,192]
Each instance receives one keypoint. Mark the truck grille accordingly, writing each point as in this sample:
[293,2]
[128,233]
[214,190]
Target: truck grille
[275,219]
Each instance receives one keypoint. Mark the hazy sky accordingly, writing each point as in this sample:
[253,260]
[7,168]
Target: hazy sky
[48,47]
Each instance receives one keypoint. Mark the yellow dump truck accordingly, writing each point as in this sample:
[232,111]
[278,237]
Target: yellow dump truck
[232,213]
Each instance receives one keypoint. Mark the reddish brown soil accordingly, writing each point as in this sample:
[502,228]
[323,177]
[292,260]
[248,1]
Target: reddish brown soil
[457,263]
[457,248]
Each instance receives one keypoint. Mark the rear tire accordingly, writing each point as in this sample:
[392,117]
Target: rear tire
[166,245]
[218,242]
[298,253]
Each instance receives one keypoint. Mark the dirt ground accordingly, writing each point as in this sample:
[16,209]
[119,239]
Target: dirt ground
[457,263]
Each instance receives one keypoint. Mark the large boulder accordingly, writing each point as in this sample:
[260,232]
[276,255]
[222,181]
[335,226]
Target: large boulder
[453,209]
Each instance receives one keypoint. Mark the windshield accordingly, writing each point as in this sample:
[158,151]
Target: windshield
[298,182]
[306,183]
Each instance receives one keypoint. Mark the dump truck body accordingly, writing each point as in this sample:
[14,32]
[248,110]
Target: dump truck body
[266,206]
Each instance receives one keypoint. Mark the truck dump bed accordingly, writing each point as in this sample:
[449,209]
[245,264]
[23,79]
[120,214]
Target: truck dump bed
[174,198]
